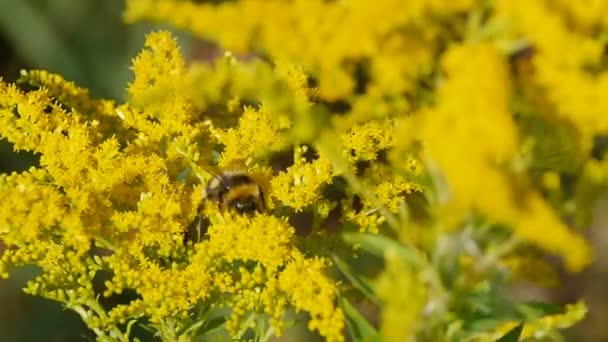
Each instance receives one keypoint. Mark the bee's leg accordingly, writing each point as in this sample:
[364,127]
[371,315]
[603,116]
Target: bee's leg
[199,224]
[196,229]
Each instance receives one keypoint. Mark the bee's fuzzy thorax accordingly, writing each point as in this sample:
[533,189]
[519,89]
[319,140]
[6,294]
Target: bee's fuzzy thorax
[242,191]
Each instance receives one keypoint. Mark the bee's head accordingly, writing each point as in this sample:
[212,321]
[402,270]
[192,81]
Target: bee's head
[244,205]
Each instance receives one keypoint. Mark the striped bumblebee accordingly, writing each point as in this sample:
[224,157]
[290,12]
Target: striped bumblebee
[235,190]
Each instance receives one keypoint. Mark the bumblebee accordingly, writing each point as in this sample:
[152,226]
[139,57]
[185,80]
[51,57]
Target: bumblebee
[235,190]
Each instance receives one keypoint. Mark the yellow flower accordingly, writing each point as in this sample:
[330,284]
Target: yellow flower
[575,93]
[363,142]
[254,137]
[308,289]
[264,239]
[472,138]
[300,185]
[320,42]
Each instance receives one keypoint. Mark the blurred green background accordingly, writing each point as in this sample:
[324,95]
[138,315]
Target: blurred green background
[87,42]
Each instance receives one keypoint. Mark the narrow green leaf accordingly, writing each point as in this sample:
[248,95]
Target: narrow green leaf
[212,325]
[129,326]
[193,328]
[359,328]
[151,328]
[361,283]
[38,41]
[513,334]
[538,309]
[203,326]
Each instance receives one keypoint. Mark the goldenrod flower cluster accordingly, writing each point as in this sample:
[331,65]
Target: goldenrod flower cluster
[453,140]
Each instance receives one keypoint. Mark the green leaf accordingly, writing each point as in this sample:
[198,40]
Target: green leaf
[203,326]
[129,326]
[538,309]
[380,245]
[212,325]
[360,283]
[513,334]
[480,324]
[359,328]
[38,41]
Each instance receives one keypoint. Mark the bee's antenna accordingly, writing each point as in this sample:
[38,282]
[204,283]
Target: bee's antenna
[215,175]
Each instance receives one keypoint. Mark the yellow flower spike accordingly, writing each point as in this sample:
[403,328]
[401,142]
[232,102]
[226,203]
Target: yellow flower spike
[367,221]
[264,239]
[301,184]
[69,94]
[363,142]
[24,121]
[258,274]
[160,108]
[320,44]
[274,302]
[255,136]
[296,78]
[472,170]
[28,209]
[165,292]
[576,94]
[310,290]
[268,241]
[245,277]
[390,191]
[538,219]
[587,15]
[160,61]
